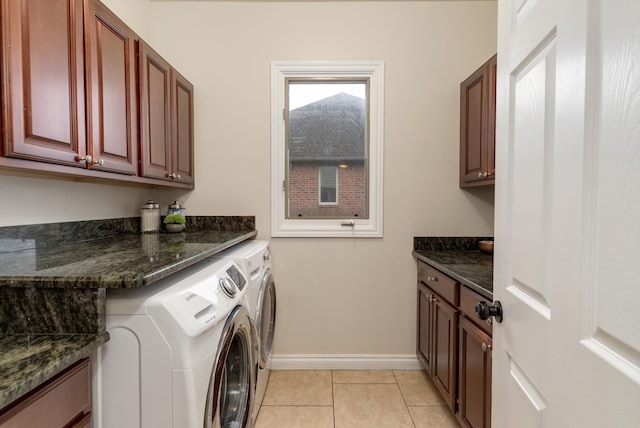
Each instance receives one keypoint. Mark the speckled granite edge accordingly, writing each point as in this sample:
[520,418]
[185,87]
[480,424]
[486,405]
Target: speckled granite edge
[31,310]
[460,243]
[27,361]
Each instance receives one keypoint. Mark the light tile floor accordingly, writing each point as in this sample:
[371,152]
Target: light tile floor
[353,399]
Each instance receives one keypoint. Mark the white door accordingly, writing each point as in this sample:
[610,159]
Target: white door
[567,231]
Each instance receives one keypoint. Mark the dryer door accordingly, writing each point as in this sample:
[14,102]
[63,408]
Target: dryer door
[266,318]
[231,388]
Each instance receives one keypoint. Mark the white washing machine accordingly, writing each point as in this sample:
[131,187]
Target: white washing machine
[180,353]
[254,259]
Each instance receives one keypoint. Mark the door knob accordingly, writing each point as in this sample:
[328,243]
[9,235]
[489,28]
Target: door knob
[484,310]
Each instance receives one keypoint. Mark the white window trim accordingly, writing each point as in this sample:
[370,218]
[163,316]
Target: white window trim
[358,228]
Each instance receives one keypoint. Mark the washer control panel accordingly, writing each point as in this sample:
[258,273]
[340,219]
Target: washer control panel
[199,302]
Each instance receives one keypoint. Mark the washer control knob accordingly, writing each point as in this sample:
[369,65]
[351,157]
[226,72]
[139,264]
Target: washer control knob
[228,287]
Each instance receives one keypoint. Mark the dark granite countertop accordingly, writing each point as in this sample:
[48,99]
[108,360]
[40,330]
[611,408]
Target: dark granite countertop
[122,261]
[53,279]
[460,259]
[27,361]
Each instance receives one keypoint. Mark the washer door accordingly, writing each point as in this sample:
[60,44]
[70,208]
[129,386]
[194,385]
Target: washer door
[266,318]
[231,388]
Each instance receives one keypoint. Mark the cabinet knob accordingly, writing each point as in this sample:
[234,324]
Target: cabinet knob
[86,159]
[98,162]
[485,347]
[484,310]
[432,279]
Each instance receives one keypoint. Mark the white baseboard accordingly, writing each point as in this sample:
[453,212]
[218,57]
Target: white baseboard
[345,362]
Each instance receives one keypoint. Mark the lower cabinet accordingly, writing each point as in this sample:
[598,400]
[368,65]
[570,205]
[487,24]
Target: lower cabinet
[62,402]
[474,376]
[454,346]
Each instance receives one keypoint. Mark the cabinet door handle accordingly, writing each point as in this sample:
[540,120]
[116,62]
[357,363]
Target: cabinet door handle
[432,279]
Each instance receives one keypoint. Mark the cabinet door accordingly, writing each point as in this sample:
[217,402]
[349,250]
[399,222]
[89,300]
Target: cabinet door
[43,86]
[445,341]
[491,118]
[182,128]
[111,94]
[474,377]
[155,101]
[424,343]
[477,126]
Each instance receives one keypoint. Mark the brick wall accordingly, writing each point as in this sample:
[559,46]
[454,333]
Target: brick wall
[303,192]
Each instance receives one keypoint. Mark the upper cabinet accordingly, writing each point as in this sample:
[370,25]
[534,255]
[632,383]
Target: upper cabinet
[43,87]
[477,126]
[111,95]
[181,128]
[166,119]
[73,89]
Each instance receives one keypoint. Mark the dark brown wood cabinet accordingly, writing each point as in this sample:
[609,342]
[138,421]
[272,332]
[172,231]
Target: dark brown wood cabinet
[166,119]
[477,126]
[454,346]
[445,357]
[62,402]
[182,128]
[474,376]
[70,98]
[438,329]
[112,127]
[43,84]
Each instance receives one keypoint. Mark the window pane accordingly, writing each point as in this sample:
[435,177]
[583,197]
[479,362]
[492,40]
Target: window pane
[328,184]
[327,148]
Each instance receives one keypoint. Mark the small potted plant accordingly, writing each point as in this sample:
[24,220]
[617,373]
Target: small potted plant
[174,223]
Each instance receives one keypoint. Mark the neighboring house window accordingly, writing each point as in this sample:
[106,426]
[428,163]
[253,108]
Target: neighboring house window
[327,120]
[328,190]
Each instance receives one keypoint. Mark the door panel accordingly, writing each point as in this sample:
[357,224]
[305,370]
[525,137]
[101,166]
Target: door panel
[182,123]
[43,88]
[155,100]
[566,218]
[612,324]
[445,357]
[111,94]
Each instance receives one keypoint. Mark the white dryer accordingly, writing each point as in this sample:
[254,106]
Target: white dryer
[180,353]
[254,259]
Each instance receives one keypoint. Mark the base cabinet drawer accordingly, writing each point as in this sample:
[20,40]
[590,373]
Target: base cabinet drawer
[62,402]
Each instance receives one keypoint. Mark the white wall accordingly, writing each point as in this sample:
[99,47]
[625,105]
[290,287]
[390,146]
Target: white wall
[335,296]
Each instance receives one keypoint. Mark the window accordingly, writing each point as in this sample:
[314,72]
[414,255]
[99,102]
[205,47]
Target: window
[328,191]
[326,144]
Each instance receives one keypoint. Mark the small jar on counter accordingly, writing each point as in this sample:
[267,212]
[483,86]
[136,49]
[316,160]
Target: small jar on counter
[150,217]
[176,208]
